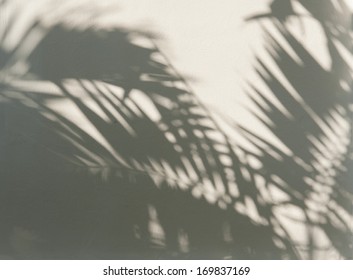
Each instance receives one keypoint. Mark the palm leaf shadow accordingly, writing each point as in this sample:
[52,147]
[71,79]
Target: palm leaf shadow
[164,188]
[312,118]
[151,189]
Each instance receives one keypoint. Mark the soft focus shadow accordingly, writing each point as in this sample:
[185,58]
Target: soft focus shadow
[149,183]
[313,120]
[89,171]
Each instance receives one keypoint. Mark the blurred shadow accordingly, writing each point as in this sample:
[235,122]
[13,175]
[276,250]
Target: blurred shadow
[157,178]
[314,121]
[141,186]
[280,10]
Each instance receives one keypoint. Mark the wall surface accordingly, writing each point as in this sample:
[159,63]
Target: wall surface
[176,129]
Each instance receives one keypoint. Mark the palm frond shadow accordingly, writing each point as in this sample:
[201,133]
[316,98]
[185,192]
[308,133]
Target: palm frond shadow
[156,182]
[313,119]
[145,187]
